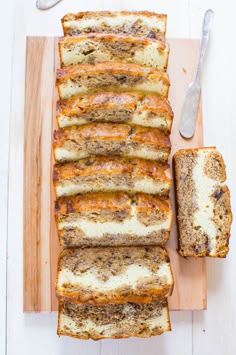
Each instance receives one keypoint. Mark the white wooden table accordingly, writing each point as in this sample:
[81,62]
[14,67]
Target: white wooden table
[203,332]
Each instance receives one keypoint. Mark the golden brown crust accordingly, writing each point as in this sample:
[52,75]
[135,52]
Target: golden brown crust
[67,41]
[91,201]
[112,165]
[90,14]
[119,68]
[111,131]
[81,104]
[109,201]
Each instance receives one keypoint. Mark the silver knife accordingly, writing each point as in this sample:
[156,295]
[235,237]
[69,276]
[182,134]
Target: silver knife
[46,4]
[188,116]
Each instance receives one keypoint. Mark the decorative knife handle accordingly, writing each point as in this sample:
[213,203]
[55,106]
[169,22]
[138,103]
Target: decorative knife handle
[206,27]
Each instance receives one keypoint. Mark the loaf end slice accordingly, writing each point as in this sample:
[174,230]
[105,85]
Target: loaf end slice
[113,321]
[203,202]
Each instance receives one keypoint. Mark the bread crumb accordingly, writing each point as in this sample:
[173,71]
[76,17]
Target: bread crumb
[184,70]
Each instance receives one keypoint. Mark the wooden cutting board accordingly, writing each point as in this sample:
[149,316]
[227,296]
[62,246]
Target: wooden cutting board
[41,246]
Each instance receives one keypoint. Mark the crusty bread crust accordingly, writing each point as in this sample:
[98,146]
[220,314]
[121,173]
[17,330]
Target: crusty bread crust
[121,139]
[146,292]
[116,107]
[126,68]
[81,79]
[109,201]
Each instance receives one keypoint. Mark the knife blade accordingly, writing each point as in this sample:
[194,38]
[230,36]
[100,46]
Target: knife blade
[189,111]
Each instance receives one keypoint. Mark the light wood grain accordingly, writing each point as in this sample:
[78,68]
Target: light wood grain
[40,236]
[189,274]
[37,173]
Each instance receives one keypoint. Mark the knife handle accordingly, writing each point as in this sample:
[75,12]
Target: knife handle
[206,27]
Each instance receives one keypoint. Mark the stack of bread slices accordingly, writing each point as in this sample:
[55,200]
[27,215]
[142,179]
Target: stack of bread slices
[111,177]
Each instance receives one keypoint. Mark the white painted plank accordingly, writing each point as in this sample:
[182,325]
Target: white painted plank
[214,329]
[6,25]
[177,342]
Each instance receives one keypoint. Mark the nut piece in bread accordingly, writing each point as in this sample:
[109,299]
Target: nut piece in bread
[96,48]
[137,23]
[78,142]
[114,274]
[112,219]
[107,174]
[86,321]
[118,107]
[81,79]
[203,202]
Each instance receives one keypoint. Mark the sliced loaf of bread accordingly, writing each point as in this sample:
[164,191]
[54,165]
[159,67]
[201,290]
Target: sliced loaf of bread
[118,107]
[203,202]
[97,48]
[113,320]
[137,23]
[107,174]
[78,142]
[109,219]
[81,79]
[114,274]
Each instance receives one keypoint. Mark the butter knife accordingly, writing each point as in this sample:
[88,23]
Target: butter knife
[189,112]
[46,4]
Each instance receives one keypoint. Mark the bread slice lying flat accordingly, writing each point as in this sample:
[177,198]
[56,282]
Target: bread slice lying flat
[136,23]
[98,48]
[87,78]
[113,320]
[78,142]
[108,219]
[114,275]
[118,107]
[106,174]
[203,201]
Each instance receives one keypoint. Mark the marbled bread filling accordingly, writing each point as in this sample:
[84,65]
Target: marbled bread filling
[106,80]
[73,150]
[104,264]
[138,28]
[192,239]
[71,237]
[111,313]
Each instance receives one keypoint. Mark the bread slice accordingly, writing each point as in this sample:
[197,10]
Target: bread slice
[113,219]
[137,23]
[87,78]
[118,107]
[203,202]
[114,275]
[107,174]
[113,320]
[74,143]
[91,48]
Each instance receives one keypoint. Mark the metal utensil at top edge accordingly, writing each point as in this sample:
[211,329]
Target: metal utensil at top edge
[189,111]
[46,4]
